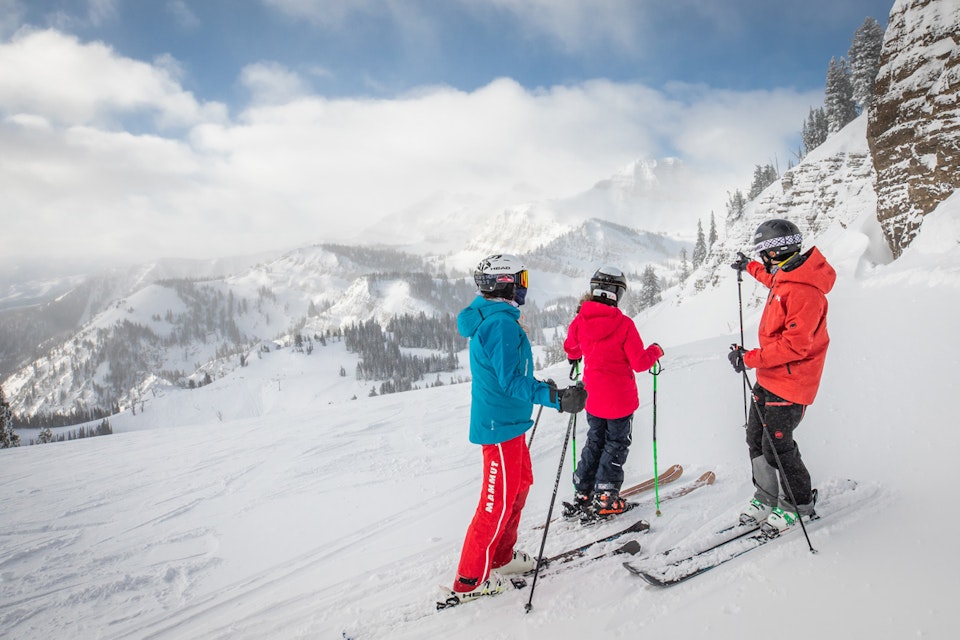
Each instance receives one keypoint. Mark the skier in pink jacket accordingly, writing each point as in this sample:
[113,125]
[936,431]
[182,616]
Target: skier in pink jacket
[611,349]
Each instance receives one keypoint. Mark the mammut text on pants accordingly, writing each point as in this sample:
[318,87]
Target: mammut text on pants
[507,476]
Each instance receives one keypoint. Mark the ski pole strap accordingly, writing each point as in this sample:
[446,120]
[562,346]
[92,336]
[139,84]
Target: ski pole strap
[575,370]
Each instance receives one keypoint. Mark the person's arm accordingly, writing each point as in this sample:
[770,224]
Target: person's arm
[641,358]
[502,343]
[571,344]
[758,271]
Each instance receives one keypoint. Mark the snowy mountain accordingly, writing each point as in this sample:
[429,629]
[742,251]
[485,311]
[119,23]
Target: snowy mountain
[140,334]
[646,196]
[126,335]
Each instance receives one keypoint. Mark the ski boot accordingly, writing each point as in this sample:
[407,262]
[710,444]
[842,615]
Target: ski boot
[522,562]
[608,503]
[576,509]
[755,513]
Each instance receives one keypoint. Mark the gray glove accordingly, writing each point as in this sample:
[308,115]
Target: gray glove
[573,399]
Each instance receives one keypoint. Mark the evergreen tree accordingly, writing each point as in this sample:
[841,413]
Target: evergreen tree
[684,265]
[712,239]
[45,436]
[700,248]
[815,130]
[8,437]
[864,57]
[763,177]
[735,205]
[840,107]
[649,288]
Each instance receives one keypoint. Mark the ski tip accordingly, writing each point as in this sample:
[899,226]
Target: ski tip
[649,579]
[708,478]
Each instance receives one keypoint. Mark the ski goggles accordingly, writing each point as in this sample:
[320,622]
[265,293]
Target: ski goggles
[519,279]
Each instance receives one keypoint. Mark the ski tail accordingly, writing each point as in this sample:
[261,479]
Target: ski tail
[669,475]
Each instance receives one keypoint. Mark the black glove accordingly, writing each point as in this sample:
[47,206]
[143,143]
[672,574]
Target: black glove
[554,392]
[573,399]
[573,361]
[736,358]
[741,263]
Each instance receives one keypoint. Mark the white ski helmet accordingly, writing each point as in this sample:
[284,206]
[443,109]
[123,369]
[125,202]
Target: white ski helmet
[500,275]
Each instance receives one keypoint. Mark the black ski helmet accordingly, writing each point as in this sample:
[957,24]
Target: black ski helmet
[502,276]
[776,240]
[608,285]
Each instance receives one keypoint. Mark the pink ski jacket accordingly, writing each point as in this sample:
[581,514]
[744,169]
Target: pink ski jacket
[612,350]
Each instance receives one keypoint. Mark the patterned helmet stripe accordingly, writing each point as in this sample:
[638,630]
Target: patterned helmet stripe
[782,241]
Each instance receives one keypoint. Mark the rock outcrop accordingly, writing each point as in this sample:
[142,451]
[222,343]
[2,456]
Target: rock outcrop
[914,121]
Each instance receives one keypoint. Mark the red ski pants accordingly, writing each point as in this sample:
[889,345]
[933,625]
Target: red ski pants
[507,476]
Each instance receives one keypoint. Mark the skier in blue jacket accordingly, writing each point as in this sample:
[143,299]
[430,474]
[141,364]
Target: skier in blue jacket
[503,394]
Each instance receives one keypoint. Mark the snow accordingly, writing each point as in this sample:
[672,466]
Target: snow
[265,505]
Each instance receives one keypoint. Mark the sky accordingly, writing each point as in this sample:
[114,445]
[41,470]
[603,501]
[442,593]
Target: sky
[137,130]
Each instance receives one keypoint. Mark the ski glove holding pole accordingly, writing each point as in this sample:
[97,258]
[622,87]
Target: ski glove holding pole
[572,399]
[741,263]
[736,358]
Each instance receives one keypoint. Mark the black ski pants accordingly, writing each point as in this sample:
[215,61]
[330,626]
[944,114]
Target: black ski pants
[601,462]
[780,418]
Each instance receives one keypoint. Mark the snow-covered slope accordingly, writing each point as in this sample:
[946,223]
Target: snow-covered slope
[304,516]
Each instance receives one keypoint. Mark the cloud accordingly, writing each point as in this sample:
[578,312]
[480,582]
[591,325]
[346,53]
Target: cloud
[327,13]
[272,83]
[110,156]
[184,16]
[54,74]
[576,25]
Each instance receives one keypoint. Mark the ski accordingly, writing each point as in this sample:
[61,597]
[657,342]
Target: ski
[578,552]
[737,540]
[707,478]
[669,475]
[710,558]
[704,480]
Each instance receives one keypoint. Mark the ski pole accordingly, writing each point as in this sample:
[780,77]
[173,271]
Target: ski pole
[575,375]
[546,527]
[740,304]
[533,431]
[776,456]
[655,371]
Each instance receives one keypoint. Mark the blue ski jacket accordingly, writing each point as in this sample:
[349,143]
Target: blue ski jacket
[503,388]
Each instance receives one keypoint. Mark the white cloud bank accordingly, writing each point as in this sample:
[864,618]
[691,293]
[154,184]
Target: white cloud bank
[108,156]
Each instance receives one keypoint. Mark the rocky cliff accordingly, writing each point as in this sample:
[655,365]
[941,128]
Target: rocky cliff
[914,121]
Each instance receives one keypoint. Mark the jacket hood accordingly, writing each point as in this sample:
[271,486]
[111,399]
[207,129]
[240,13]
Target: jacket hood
[815,271]
[469,319]
[601,319]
